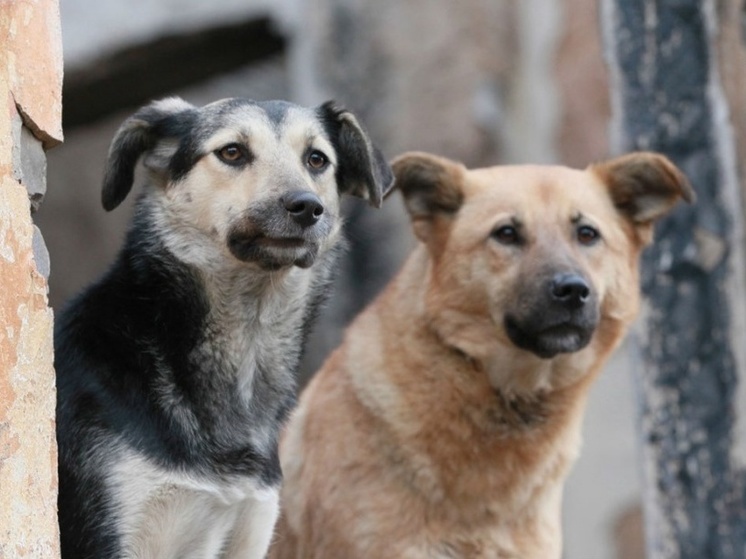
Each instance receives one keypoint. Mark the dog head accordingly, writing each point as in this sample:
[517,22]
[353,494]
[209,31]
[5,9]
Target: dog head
[259,179]
[541,258]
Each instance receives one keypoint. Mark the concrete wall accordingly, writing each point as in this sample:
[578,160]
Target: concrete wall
[30,122]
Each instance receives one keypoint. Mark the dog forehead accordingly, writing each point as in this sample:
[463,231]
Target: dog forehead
[536,189]
[246,117]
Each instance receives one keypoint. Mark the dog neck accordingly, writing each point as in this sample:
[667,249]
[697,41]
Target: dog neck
[248,323]
[240,295]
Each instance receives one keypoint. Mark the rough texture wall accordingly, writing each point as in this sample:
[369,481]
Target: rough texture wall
[670,97]
[30,121]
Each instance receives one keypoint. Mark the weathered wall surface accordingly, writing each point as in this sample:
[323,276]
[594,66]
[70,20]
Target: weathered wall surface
[30,121]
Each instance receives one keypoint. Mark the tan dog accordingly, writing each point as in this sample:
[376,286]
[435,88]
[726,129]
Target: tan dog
[446,423]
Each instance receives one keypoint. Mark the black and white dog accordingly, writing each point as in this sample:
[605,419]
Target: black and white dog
[175,370]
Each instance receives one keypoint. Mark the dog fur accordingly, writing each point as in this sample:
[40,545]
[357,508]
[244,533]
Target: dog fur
[176,369]
[445,424]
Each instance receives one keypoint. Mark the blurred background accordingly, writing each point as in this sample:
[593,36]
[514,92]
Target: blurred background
[481,81]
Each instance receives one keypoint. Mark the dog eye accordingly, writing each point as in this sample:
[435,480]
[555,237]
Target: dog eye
[232,154]
[506,235]
[317,160]
[587,235]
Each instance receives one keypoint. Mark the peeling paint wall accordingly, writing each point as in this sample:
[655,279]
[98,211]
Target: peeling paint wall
[30,123]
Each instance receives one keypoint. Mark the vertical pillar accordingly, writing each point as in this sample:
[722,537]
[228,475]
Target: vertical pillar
[30,122]
[668,97]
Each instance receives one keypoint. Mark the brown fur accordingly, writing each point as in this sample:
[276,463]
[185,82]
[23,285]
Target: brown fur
[429,432]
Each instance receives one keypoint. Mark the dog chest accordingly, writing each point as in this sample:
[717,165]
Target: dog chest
[175,514]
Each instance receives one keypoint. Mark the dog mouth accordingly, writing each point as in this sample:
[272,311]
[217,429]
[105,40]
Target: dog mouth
[548,340]
[268,235]
[278,242]
[272,252]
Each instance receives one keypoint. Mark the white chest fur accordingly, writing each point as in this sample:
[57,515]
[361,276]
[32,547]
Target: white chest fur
[173,515]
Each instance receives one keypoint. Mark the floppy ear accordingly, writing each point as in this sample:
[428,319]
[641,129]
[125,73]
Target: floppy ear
[431,187]
[361,169]
[138,134]
[644,186]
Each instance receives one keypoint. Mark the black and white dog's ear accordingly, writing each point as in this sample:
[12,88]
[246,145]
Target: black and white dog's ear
[139,134]
[361,168]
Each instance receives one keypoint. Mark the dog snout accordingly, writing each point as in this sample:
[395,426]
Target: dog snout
[570,289]
[305,208]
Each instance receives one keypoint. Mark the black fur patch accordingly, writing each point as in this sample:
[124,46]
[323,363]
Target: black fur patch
[139,134]
[362,170]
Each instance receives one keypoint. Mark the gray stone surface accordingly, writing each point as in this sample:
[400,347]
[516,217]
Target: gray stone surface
[33,168]
[29,162]
[41,254]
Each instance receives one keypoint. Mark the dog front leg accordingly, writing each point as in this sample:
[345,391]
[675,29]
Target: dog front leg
[254,528]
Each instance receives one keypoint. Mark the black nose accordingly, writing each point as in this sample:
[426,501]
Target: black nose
[570,289]
[303,206]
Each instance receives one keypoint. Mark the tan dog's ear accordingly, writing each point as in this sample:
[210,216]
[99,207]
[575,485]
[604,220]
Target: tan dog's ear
[431,187]
[644,185]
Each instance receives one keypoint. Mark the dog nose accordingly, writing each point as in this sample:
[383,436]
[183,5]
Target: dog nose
[304,207]
[570,289]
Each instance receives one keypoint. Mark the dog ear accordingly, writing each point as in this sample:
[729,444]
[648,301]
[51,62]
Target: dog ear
[431,187]
[361,169]
[138,134]
[644,186]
